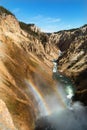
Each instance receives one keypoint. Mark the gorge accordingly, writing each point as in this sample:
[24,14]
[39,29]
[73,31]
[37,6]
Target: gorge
[28,93]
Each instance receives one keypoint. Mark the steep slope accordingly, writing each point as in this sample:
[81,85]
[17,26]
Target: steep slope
[17,65]
[64,38]
[5,118]
[25,67]
[40,44]
[73,62]
[24,72]
[16,100]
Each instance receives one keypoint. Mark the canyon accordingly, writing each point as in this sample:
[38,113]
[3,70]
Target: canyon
[26,69]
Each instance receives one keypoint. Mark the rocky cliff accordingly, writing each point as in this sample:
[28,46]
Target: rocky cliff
[23,62]
[25,55]
[73,62]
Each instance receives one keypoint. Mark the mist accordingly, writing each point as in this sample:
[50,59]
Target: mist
[54,110]
[65,119]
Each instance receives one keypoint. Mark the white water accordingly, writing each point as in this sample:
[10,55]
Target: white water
[71,117]
[66,119]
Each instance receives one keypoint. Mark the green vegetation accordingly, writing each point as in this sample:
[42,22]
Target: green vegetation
[84,25]
[43,38]
[27,28]
[39,35]
[70,30]
[3,10]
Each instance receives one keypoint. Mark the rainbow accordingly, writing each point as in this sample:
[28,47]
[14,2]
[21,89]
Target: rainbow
[42,105]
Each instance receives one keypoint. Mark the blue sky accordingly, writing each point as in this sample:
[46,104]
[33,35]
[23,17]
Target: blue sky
[49,15]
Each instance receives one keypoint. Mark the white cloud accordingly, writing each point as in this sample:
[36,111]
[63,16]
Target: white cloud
[50,28]
[52,20]
[68,26]
[16,10]
[47,24]
[40,18]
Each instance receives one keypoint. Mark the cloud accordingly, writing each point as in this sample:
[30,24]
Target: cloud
[16,10]
[56,27]
[50,28]
[52,20]
[47,24]
[40,18]
[68,26]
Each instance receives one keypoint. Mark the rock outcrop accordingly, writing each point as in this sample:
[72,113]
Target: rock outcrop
[25,56]
[5,118]
[73,62]
[22,59]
